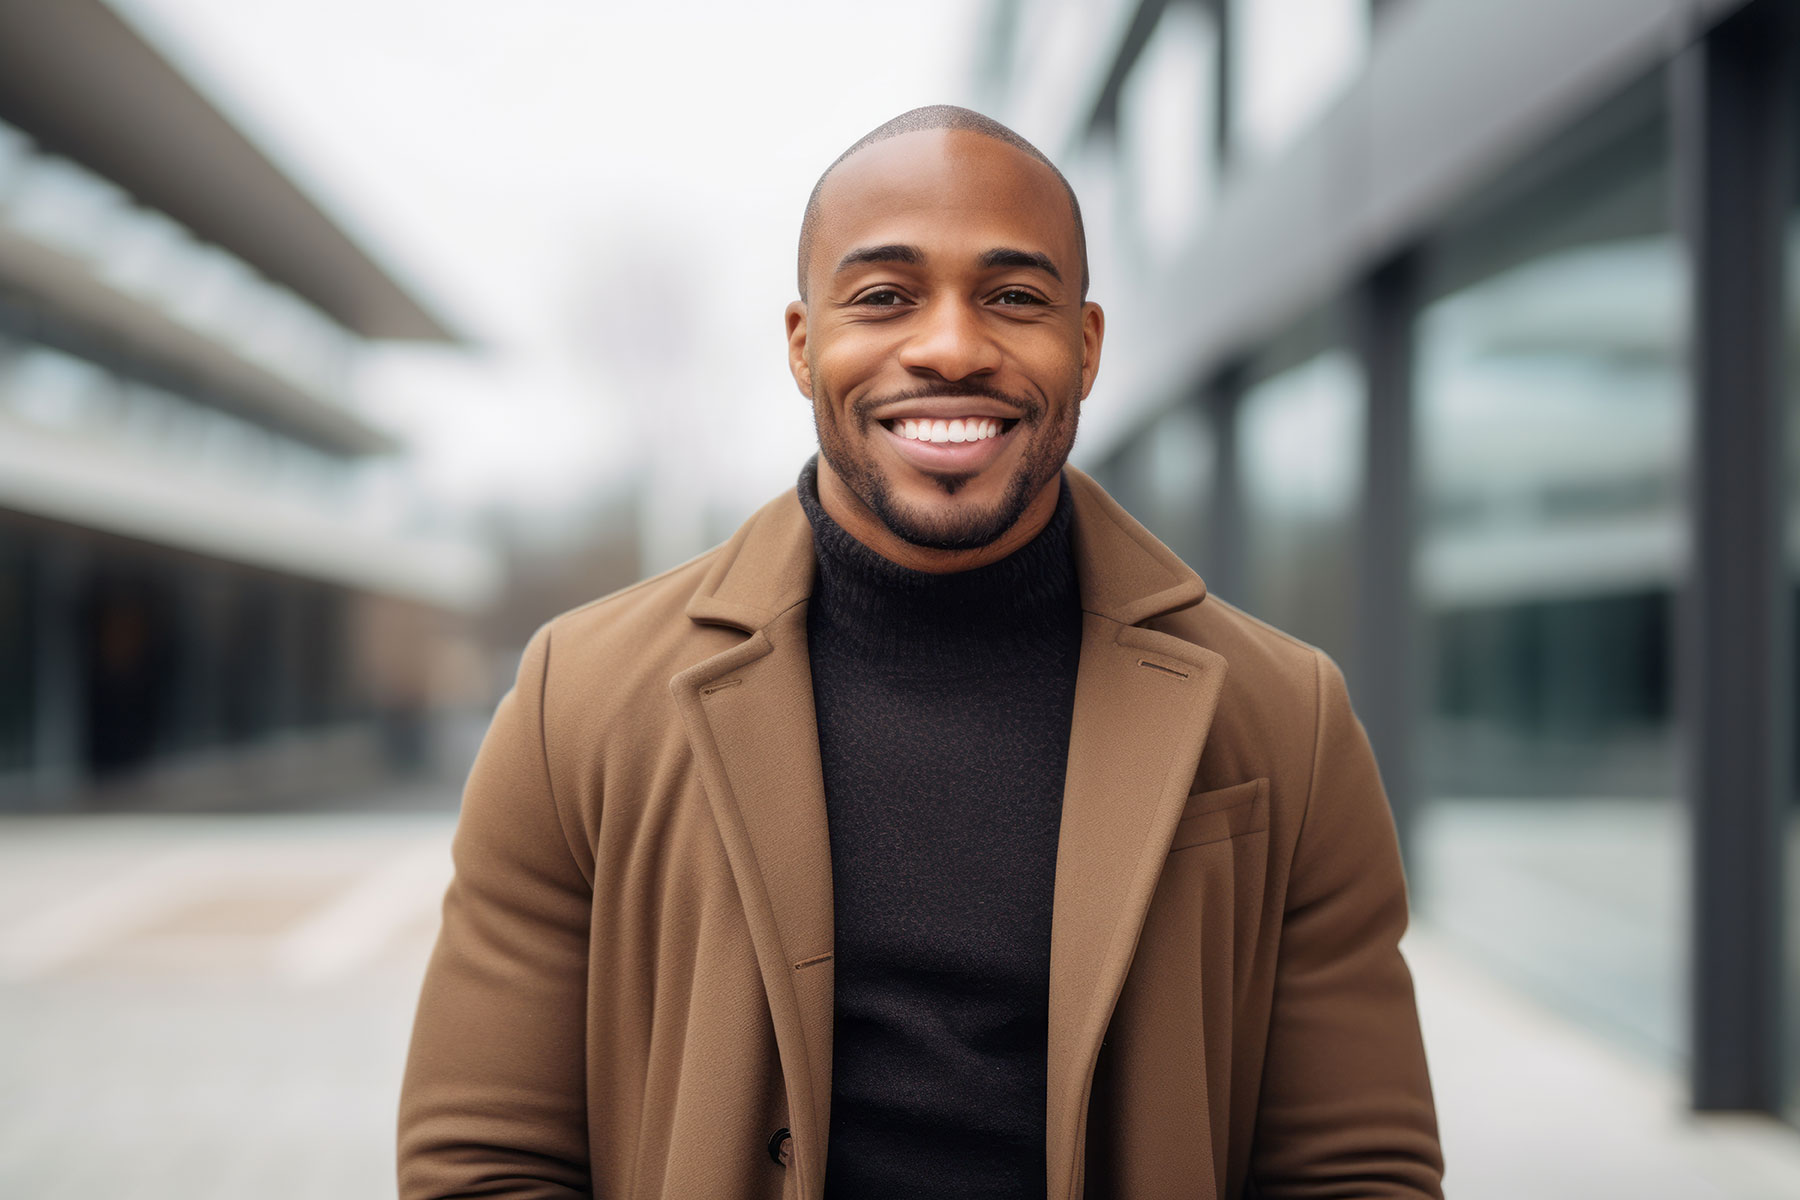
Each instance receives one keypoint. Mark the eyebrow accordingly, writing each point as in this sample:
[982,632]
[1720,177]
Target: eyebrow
[1029,259]
[913,256]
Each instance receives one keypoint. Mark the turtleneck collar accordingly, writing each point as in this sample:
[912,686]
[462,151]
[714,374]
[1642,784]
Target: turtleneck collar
[884,607]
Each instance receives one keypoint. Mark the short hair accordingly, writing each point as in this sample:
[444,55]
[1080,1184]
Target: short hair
[939,116]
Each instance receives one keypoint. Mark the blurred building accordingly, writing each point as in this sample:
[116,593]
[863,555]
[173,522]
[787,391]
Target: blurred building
[212,582]
[1456,337]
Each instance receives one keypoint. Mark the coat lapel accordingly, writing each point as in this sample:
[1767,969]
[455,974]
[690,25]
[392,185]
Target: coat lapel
[749,717]
[1144,702]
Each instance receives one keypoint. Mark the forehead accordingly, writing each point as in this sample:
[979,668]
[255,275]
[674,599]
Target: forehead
[947,191]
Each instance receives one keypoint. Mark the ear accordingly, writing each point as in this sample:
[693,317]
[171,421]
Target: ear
[1093,332]
[796,340]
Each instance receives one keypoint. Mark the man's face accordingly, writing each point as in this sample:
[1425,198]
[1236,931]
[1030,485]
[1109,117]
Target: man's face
[944,343]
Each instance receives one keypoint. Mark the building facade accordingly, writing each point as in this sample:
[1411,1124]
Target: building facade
[213,586]
[1457,337]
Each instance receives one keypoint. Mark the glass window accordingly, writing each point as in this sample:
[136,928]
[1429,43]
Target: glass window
[1164,477]
[1179,465]
[15,156]
[1166,130]
[144,250]
[1299,445]
[1290,59]
[1117,473]
[65,206]
[1094,171]
[18,661]
[51,388]
[1054,64]
[291,337]
[1552,406]
[213,289]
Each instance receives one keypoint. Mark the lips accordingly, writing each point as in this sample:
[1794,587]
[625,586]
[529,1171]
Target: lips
[949,430]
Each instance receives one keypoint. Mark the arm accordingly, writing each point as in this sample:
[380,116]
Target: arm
[494,1101]
[1346,1107]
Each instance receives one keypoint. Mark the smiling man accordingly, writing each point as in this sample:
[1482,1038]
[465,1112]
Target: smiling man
[944,348]
[937,835]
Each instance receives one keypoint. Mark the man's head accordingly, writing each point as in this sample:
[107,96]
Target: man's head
[943,337]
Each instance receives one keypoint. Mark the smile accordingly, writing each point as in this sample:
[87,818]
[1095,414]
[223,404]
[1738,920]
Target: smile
[958,429]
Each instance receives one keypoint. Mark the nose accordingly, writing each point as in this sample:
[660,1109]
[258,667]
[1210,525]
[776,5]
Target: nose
[950,341]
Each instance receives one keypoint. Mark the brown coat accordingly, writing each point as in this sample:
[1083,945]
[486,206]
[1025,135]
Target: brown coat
[633,988]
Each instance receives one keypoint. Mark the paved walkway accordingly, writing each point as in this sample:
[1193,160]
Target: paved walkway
[1532,1105]
[204,1007]
[217,1007]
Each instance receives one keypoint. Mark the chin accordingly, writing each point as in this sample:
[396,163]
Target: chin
[947,521]
[948,512]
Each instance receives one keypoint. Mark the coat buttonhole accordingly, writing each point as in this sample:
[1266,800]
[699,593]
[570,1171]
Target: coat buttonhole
[710,688]
[1144,662]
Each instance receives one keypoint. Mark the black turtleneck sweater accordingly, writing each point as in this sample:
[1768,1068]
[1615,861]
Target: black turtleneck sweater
[944,704]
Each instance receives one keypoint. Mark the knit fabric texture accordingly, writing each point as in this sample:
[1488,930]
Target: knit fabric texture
[944,704]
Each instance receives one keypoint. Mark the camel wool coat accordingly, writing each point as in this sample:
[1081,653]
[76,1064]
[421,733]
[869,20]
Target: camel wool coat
[632,992]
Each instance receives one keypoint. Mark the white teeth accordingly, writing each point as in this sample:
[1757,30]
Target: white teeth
[960,429]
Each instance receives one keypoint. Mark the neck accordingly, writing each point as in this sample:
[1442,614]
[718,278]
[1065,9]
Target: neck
[847,509]
[959,621]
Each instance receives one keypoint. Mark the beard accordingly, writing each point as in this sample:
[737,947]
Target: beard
[1049,438]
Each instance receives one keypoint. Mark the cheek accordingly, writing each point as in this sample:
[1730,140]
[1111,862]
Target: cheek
[1057,370]
[1051,346]
[842,365]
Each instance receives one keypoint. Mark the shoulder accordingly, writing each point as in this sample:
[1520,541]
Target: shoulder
[626,646]
[623,649]
[1273,679]
[1276,694]
[1262,660]
[1273,684]
[620,619]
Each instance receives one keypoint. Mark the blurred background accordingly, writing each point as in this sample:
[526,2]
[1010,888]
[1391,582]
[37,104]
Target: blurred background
[343,342]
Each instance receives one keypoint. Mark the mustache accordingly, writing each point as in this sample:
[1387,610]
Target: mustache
[1029,408]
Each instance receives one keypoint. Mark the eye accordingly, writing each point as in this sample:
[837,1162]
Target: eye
[1014,296]
[881,298]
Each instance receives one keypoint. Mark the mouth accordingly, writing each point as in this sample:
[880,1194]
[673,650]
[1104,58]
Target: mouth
[949,446]
[952,430]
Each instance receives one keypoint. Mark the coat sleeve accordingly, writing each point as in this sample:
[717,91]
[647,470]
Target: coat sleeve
[1346,1107]
[493,1102]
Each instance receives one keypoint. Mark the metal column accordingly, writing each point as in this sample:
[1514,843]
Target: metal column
[1734,159]
[1384,674]
[1225,565]
[58,703]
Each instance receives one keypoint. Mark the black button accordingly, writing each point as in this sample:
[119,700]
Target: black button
[778,1146]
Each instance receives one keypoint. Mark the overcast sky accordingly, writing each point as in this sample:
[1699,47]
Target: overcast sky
[604,196]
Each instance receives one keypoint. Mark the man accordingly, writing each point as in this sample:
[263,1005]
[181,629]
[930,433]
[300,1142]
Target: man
[935,836]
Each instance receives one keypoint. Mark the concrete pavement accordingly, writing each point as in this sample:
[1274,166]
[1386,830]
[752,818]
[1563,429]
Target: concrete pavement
[210,1006]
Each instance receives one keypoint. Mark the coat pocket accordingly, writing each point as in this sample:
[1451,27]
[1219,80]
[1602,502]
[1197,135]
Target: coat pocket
[1223,813]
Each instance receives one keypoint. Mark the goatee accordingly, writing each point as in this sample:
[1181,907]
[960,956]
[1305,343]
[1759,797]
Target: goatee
[962,527]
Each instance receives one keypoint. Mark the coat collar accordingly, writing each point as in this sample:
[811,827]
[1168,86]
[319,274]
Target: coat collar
[1125,574]
[1144,702]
